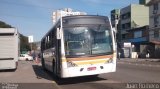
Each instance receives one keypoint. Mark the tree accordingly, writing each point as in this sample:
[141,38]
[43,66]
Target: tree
[24,45]
[4,25]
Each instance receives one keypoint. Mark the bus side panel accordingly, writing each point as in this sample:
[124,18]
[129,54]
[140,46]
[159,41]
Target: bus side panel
[8,64]
[48,58]
[9,46]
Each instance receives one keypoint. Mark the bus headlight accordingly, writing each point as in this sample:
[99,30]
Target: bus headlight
[109,61]
[71,64]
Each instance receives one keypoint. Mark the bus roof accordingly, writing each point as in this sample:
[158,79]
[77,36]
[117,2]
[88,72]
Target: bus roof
[85,19]
[82,16]
[7,30]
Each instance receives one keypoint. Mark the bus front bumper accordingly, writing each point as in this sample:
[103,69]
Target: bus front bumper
[88,70]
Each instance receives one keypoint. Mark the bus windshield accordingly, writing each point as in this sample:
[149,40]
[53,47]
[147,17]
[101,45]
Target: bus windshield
[87,40]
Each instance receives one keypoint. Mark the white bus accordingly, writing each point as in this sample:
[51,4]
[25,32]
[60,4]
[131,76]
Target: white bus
[79,46]
[9,48]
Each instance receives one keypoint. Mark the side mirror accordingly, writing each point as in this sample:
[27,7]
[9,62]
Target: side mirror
[58,33]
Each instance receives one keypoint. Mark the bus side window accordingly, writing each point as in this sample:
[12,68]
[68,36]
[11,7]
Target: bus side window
[52,39]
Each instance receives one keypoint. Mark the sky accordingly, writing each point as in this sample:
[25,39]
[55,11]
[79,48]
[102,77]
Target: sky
[34,17]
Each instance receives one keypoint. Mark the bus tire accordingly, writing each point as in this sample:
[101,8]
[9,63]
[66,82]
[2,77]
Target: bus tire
[54,71]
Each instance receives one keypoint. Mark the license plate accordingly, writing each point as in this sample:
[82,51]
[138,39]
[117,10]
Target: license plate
[91,68]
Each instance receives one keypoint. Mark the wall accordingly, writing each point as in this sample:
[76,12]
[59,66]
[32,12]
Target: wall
[151,13]
[139,15]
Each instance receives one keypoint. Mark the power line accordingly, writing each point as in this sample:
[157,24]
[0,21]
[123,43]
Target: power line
[25,5]
[25,17]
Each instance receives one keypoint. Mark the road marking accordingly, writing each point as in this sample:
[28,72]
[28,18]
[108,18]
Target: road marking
[107,81]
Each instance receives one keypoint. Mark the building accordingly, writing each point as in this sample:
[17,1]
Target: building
[154,25]
[115,17]
[133,16]
[133,29]
[65,12]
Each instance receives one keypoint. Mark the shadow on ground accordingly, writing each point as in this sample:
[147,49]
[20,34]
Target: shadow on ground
[63,81]
[76,80]
[8,70]
[40,73]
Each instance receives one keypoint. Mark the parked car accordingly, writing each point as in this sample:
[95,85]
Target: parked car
[25,57]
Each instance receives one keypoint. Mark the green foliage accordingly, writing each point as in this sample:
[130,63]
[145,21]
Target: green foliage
[4,25]
[24,45]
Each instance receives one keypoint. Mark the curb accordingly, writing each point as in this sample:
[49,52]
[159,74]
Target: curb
[132,63]
[140,59]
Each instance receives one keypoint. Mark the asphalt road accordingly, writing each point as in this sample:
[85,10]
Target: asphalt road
[31,76]
[137,73]
[28,75]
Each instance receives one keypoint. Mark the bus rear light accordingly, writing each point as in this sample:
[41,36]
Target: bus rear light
[71,64]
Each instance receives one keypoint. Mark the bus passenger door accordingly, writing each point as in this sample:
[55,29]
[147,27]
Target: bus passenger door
[58,55]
